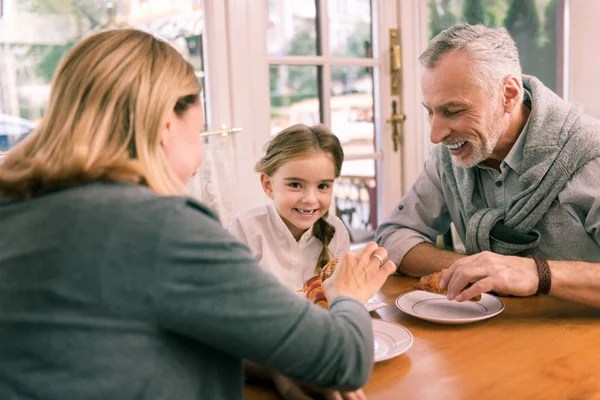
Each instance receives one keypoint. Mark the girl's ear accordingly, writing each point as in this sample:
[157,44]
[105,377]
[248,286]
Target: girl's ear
[267,185]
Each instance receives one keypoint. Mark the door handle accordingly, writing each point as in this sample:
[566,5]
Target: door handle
[397,121]
[395,62]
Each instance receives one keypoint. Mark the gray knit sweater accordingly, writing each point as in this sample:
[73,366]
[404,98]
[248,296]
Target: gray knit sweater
[559,141]
[108,291]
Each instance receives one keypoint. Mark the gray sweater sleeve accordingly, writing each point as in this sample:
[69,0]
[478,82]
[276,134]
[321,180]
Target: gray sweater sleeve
[420,216]
[208,287]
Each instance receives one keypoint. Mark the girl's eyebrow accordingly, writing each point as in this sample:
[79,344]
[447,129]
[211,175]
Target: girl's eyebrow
[304,180]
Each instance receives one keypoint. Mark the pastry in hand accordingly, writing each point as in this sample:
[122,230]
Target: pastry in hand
[313,290]
[328,269]
[431,283]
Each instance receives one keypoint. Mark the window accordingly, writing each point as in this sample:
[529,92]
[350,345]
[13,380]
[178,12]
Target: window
[29,58]
[322,70]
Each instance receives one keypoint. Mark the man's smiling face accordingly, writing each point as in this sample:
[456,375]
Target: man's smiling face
[463,115]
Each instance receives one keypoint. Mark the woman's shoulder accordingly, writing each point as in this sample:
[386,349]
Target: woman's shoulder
[137,201]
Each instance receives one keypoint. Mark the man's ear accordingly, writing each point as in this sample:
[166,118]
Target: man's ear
[512,93]
[267,185]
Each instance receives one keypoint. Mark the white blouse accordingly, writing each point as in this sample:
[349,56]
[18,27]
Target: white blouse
[274,247]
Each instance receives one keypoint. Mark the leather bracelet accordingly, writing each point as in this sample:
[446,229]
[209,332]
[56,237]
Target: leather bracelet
[545,278]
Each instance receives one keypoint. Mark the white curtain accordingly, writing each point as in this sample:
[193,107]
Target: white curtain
[215,183]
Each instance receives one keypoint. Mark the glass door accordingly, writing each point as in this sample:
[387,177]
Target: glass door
[329,63]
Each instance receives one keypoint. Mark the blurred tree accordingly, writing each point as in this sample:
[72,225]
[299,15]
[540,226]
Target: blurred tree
[548,69]
[441,16]
[523,23]
[304,42]
[295,82]
[474,12]
[273,77]
[302,78]
[50,57]
[90,13]
[492,21]
[359,46]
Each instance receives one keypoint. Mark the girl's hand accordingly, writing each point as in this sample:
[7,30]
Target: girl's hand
[356,395]
[288,389]
[360,277]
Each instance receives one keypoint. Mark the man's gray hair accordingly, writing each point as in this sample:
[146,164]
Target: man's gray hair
[493,50]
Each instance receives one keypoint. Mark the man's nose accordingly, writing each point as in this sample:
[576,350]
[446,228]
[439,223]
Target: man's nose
[439,130]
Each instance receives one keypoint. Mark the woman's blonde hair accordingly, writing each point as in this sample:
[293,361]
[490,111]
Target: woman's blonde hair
[110,98]
[298,140]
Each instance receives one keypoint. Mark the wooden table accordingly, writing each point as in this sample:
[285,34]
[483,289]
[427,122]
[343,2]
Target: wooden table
[537,348]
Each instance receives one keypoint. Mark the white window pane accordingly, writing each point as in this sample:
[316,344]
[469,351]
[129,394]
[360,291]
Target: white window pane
[350,27]
[355,196]
[294,96]
[351,108]
[292,29]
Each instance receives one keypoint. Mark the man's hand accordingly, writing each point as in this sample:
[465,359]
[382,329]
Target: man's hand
[488,271]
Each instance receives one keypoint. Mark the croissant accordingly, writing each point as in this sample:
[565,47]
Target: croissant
[431,283]
[328,269]
[313,288]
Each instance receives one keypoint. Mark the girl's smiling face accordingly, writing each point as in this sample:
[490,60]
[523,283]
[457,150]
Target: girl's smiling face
[301,190]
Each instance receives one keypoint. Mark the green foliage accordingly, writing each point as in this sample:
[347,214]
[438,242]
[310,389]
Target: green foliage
[523,23]
[304,43]
[491,18]
[358,45]
[50,58]
[46,6]
[441,16]
[548,52]
[474,12]
[537,43]
[50,55]
[496,11]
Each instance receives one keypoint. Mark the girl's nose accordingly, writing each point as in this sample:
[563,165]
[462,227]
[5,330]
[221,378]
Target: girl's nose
[309,197]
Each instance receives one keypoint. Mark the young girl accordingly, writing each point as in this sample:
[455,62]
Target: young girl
[294,236]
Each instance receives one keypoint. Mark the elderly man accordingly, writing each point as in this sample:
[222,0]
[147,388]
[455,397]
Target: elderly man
[515,168]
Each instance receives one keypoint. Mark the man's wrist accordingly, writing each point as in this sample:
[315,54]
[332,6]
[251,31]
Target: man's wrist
[544,276]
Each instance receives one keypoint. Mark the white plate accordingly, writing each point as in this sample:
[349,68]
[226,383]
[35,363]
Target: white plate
[391,339]
[373,304]
[437,308]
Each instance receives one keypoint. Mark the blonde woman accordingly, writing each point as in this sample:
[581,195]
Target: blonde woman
[115,286]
